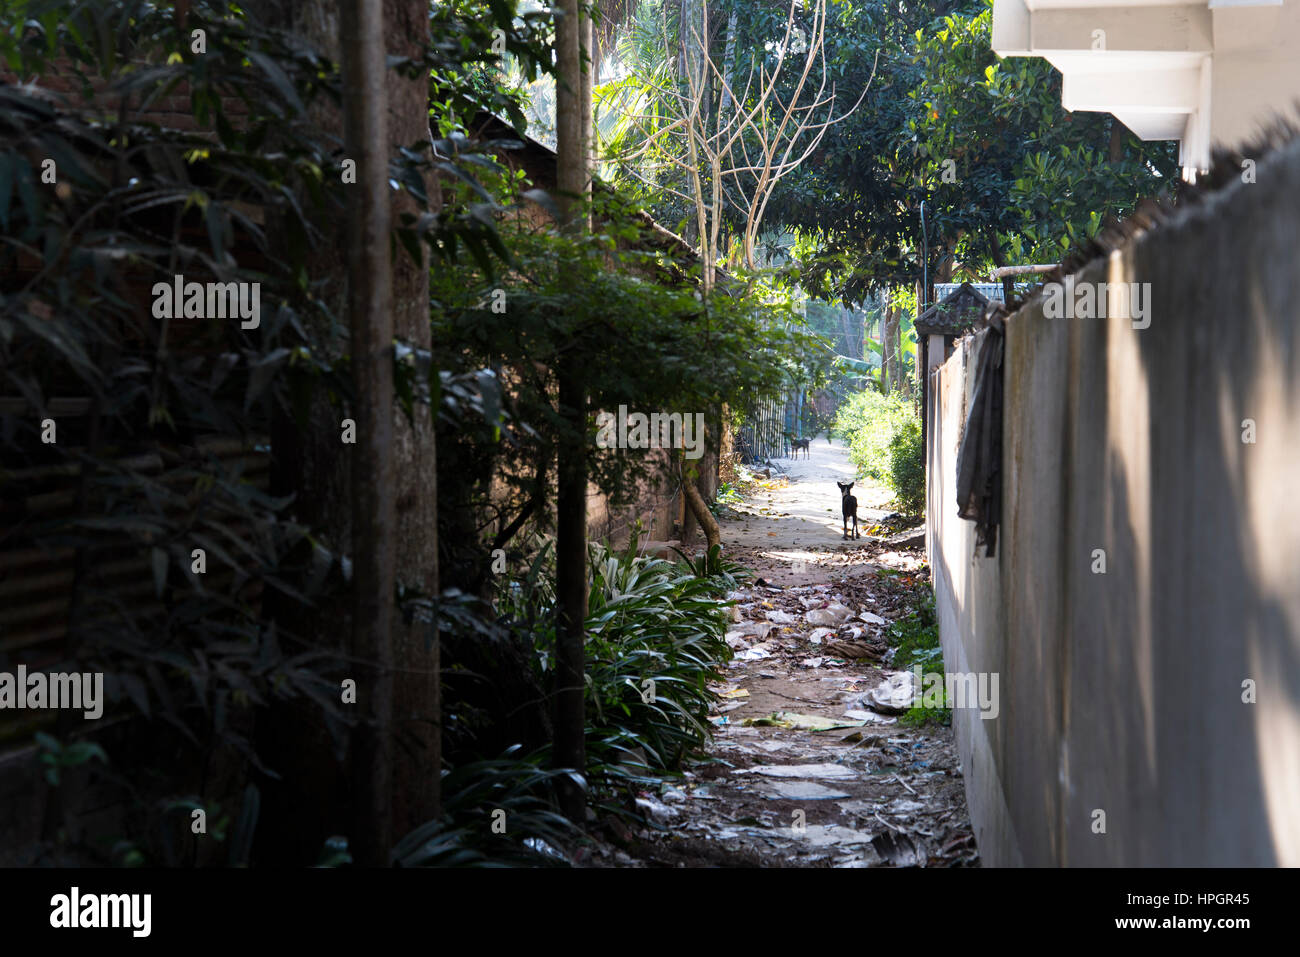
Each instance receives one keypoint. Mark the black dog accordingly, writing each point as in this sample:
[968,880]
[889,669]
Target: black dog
[798,444]
[849,505]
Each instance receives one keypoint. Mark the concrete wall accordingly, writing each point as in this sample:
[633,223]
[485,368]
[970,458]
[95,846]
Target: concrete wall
[657,506]
[1123,692]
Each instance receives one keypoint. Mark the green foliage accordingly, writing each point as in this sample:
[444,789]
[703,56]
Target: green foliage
[884,437]
[869,421]
[915,639]
[1026,177]
[920,717]
[496,813]
[626,305]
[906,474]
[56,757]
[915,636]
[640,113]
[139,203]
[722,573]
[728,494]
[655,641]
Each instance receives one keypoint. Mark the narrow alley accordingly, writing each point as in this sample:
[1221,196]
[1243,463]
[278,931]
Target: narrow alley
[810,764]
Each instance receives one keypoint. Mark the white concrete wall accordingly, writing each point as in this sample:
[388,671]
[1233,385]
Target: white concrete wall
[1122,692]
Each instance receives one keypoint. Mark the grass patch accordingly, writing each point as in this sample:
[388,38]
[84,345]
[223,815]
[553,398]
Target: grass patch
[915,639]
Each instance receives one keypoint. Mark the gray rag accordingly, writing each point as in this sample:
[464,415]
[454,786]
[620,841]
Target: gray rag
[979,458]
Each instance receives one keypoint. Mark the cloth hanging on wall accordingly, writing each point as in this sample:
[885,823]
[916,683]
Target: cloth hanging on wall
[979,456]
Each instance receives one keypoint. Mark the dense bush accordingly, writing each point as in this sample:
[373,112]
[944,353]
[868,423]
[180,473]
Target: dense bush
[655,641]
[184,420]
[627,304]
[868,421]
[884,437]
[512,790]
[906,475]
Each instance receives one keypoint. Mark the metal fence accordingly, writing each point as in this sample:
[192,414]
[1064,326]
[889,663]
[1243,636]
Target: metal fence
[766,435]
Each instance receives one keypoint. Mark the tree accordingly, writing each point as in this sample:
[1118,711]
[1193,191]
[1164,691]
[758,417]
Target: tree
[725,126]
[1006,174]
[716,117]
[573,158]
[398,472]
[417,728]
[365,126]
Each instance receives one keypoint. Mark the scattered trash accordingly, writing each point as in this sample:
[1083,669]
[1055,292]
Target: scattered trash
[804,791]
[800,722]
[656,810]
[869,717]
[894,695]
[856,649]
[899,849]
[826,835]
[823,772]
[832,615]
[903,807]
[541,847]
[895,792]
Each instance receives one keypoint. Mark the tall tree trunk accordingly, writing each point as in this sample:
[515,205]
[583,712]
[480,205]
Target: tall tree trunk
[699,509]
[889,349]
[417,700]
[310,800]
[365,126]
[573,155]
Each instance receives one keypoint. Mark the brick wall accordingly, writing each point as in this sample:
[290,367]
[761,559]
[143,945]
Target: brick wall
[68,91]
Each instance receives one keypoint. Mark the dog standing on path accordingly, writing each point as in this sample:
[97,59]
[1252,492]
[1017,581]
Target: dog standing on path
[849,505]
[797,445]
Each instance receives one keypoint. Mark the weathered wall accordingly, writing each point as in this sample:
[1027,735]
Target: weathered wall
[658,507]
[1123,692]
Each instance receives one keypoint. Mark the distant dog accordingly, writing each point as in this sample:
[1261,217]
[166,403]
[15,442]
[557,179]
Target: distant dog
[849,505]
[798,444]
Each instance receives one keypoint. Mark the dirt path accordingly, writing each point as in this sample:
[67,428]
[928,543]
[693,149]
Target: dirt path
[809,639]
